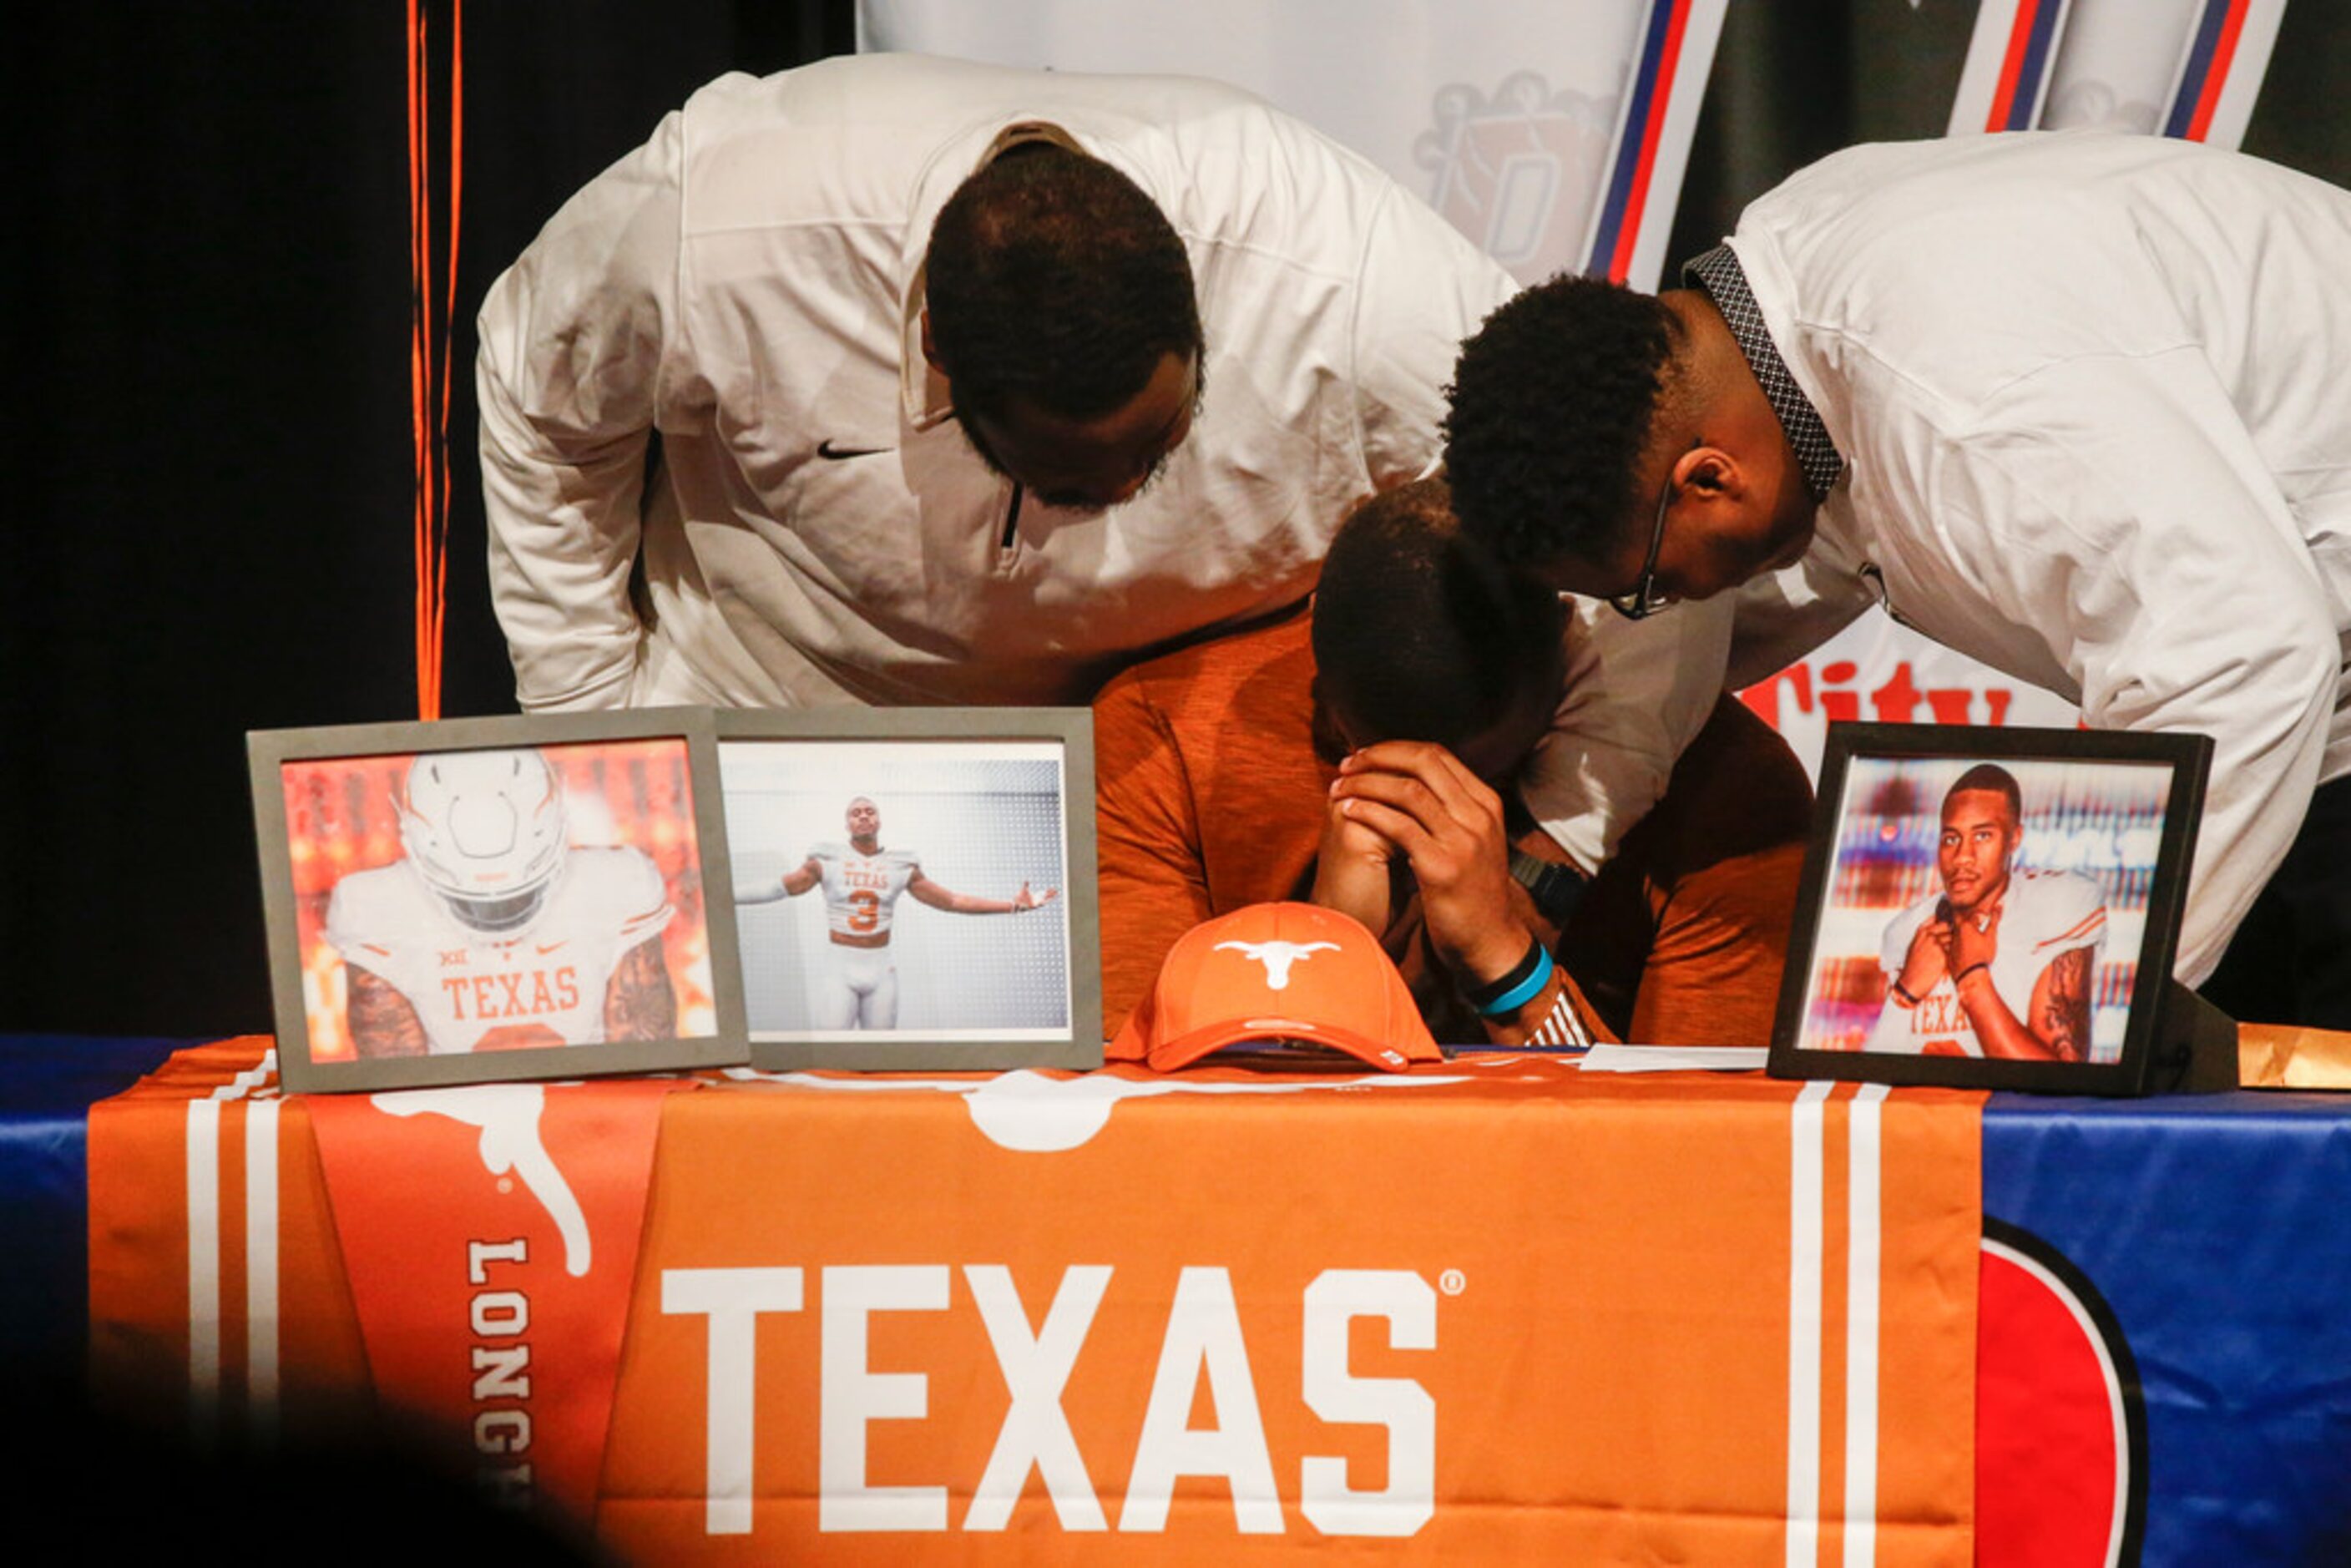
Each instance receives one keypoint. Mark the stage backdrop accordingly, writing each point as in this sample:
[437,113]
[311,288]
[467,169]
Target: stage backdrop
[216,488]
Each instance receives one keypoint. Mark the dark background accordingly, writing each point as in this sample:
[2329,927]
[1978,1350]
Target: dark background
[209,336]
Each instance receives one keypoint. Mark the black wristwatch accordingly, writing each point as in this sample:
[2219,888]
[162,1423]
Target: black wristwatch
[1556,889]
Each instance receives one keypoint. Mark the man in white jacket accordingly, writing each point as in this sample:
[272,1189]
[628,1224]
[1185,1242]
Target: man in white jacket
[914,336]
[2071,404]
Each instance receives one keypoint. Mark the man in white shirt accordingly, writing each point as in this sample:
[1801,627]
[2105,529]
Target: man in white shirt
[1998,961]
[2069,403]
[862,882]
[915,334]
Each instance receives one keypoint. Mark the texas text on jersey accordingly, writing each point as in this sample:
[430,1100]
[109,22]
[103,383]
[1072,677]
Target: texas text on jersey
[542,985]
[861,891]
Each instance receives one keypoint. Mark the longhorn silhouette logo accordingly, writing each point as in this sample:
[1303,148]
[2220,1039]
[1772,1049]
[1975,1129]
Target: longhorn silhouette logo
[1277,957]
[508,1115]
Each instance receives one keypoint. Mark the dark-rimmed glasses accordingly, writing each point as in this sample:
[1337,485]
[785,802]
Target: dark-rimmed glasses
[1646,598]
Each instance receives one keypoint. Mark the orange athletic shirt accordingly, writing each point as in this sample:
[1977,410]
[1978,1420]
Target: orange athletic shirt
[1209,797]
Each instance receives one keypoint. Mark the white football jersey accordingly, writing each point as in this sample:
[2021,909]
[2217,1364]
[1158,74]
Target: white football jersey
[861,891]
[542,985]
[2042,915]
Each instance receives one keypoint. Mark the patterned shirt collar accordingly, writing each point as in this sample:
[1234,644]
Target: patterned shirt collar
[1718,272]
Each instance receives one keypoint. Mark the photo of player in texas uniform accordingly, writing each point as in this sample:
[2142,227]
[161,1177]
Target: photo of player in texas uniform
[861,882]
[492,932]
[1998,962]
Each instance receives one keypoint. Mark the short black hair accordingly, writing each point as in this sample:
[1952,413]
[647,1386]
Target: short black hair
[1052,279]
[1419,631]
[1990,778]
[1553,401]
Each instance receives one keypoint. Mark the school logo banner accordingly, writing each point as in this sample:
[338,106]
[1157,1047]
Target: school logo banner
[490,1236]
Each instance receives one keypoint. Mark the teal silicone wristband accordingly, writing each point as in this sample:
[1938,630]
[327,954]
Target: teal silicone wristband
[1518,996]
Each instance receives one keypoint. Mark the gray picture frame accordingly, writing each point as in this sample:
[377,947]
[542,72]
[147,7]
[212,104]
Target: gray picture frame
[820,738]
[703,881]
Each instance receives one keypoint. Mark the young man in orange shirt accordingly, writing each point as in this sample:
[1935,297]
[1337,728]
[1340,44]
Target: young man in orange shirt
[1360,753]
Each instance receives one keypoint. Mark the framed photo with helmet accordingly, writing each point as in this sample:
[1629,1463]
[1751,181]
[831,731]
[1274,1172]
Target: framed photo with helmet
[482,900]
[1999,908]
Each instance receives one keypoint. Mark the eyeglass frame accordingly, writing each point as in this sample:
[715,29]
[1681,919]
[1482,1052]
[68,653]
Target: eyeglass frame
[1645,601]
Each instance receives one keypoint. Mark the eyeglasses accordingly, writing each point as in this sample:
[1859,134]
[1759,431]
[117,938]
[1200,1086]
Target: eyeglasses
[1646,598]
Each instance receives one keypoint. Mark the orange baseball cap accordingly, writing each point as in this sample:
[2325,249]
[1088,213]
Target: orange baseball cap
[1277,971]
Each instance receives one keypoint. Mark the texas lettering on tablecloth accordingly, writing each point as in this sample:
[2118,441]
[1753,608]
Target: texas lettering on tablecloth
[1203,1340]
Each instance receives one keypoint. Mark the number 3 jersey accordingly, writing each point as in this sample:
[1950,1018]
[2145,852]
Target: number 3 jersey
[860,890]
[2042,915]
[542,985]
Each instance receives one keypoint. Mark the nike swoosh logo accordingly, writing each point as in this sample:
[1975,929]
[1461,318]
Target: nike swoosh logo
[826,449]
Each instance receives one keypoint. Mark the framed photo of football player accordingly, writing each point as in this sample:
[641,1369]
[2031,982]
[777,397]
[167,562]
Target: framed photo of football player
[480,899]
[1997,908]
[914,888]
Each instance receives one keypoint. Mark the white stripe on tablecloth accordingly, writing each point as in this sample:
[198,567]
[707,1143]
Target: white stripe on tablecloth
[261,1267]
[204,1270]
[203,1179]
[1864,1221]
[1807,1139]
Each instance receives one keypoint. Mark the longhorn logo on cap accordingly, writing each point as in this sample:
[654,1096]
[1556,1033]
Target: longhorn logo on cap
[1277,957]
[1354,1002]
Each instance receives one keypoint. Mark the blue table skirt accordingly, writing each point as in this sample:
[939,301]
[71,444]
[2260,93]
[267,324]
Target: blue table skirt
[47,1083]
[2214,1227]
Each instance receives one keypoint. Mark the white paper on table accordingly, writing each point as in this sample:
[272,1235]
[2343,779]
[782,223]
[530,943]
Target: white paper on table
[1675,1057]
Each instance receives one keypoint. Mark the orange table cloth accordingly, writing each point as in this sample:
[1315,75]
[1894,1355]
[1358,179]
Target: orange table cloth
[1497,1310]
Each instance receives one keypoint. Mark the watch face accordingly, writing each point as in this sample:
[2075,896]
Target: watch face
[1555,889]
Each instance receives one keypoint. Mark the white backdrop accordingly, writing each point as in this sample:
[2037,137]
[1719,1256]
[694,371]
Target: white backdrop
[1501,113]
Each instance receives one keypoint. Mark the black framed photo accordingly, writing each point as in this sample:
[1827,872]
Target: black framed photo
[484,900]
[914,888]
[1995,908]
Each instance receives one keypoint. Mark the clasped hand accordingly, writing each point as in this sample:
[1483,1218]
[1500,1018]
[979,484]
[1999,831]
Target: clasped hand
[1416,799]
